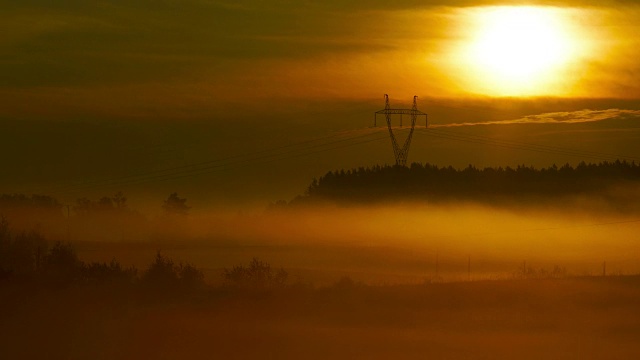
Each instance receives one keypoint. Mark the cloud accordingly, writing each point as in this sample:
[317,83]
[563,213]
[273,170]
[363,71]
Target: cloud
[367,5]
[80,43]
[565,117]
[246,47]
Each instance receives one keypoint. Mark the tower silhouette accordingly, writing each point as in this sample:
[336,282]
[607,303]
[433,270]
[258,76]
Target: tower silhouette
[401,153]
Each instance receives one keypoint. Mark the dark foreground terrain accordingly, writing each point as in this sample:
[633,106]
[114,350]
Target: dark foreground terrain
[569,318]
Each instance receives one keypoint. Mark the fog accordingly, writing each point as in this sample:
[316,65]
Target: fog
[398,242]
[383,280]
[205,179]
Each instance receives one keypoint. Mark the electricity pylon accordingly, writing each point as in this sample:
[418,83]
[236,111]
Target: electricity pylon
[401,153]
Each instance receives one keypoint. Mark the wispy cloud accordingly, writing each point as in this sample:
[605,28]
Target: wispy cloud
[565,117]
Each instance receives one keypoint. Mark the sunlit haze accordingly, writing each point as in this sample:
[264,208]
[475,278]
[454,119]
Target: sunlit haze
[320,179]
[521,50]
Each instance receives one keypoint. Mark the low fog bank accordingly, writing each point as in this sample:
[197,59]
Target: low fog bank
[392,242]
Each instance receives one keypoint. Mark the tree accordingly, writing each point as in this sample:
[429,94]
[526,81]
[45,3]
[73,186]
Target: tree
[175,205]
[258,275]
[163,275]
[21,254]
[106,204]
[191,278]
[109,273]
[61,265]
[119,200]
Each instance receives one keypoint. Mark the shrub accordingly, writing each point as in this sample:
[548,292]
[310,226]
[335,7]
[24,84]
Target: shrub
[190,277]
[61,266]
[164,274]
[112,272]
[345,283]
[20,255]
[258,275]
[161,273]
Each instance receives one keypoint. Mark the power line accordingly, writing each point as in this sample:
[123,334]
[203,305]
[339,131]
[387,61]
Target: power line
[230,166]
[550,147]
[218,165]
[186,166]
[509,146]
[304,148]
[522,145]
[310,147]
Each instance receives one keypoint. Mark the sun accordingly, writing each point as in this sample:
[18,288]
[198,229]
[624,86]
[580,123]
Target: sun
[519,42]
[516,50]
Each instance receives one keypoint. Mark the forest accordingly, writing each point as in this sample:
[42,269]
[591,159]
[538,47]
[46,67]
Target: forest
[426,182]
[76,310]
[97,278]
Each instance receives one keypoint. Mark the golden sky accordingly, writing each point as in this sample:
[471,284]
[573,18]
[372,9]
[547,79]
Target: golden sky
[224,73]
[175,54]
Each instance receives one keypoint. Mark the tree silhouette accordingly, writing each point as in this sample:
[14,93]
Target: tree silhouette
[20,255]
[175,205]
[163,274]
[106,204]
[258,275]
[109,273]
[61,266]
[431,182]
[119,200]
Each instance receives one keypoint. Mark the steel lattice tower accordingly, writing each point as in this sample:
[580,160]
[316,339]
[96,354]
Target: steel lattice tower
[401,153]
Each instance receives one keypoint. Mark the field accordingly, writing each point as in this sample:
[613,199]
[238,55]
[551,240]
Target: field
[403,281]
[571,318]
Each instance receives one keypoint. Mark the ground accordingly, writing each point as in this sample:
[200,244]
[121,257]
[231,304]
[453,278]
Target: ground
[568,318]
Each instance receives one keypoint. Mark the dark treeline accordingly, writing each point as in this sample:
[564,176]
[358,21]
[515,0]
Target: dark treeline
[29,258]
[431,182]
[105,218]
[34,201]
[83,206]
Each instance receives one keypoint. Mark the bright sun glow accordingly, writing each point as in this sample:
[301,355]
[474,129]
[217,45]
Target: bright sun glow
[519,50]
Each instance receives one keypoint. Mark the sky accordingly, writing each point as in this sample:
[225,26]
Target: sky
[247,101]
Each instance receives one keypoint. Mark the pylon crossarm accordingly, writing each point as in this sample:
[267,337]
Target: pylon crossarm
[401,154]
[400,112]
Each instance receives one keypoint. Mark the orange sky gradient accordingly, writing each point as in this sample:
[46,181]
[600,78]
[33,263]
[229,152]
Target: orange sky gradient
[199,80]
[132,60]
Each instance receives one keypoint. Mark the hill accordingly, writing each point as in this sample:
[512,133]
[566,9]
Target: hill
[433,183]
